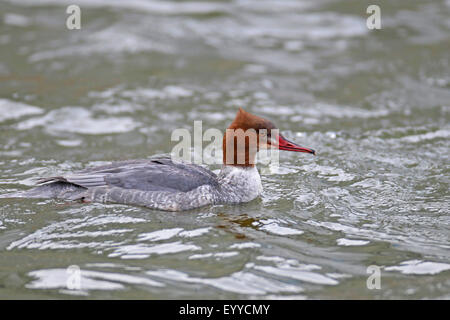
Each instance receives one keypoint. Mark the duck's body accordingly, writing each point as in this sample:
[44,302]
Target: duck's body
[165,184]
[157,183]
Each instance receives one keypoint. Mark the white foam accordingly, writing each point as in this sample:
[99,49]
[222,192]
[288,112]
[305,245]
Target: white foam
[349,242]
[143,251]
[163,234]
[443,133]
[13,110]
[90,280]
[79,120]
[16,20]
[272,226]
[420,267]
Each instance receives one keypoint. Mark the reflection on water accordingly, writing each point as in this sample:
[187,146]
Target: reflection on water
[375,104]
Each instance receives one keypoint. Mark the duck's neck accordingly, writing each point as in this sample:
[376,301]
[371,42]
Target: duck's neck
[237,151]
[239,183]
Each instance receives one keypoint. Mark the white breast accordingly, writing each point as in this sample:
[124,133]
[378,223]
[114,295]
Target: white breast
[240,184]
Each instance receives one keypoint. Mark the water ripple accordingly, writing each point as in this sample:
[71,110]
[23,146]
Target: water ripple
[90,280]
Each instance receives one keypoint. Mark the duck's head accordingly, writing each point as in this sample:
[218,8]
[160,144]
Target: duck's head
[247,134]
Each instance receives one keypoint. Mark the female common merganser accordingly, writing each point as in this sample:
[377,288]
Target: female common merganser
[162,183]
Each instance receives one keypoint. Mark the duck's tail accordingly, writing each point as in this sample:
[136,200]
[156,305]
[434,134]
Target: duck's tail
[61,190]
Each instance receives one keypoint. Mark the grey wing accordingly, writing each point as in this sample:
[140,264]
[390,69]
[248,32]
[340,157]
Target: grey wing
[155,174]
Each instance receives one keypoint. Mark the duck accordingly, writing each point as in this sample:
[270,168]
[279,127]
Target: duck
[162,182]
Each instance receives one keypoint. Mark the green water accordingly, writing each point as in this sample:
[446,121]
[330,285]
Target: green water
[374,104]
